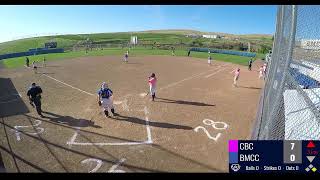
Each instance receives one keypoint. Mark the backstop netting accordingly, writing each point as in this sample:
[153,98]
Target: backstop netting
[289,104]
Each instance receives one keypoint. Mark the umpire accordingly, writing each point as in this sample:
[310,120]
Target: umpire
[34,94]
[27,61]
[250,64]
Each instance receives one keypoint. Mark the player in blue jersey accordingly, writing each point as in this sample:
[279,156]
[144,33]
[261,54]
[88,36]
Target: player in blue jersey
[104,99]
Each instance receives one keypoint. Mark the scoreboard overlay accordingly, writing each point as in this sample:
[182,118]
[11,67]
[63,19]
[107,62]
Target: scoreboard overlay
[264,156]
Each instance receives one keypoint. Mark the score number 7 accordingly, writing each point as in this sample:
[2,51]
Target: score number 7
[292,146]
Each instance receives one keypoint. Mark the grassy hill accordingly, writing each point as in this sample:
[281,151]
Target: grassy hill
[159,36]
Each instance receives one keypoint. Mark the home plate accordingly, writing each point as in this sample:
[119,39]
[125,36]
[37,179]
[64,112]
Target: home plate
[143,94]
[117,102]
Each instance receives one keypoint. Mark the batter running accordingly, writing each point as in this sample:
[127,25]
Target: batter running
[264,70]
[236,77]
[104,99]
[260,72]
[152,84]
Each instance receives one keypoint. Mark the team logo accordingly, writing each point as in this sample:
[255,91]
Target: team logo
[235,167]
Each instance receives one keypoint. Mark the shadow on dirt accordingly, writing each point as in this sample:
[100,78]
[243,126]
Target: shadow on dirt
[49,145]
[10,100]
[134,63]
[212,169]
[154,124]
[70,121]
[182,102]
[248,87]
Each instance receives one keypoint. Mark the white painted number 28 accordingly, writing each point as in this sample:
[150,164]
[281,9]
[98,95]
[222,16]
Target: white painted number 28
[216,125]
[90,162]
[209,136]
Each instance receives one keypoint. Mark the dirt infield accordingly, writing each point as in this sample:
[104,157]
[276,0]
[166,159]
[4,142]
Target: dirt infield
[186,129]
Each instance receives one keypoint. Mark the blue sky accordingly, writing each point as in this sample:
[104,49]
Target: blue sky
[21,21]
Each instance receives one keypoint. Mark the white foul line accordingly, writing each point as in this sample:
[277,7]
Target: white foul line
[125,105]
[117,102]
[73,138]
[215,72]
[108,144]
[149,140]
[68,85]
[175,83]
[147,124]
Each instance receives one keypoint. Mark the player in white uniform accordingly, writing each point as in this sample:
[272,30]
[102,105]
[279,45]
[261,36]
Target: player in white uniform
[152,84]
[264,70]
[261,72]
[104,99]
[236,77]
[209,60]
[34,67]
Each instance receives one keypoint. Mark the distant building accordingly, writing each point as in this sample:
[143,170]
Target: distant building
[214,36]
[310,44]
[134,40]
[193,35]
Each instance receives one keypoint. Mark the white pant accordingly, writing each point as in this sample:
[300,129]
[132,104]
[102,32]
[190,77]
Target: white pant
[152,89]
[209,61]
[106,103]
[260,75]
[235,79]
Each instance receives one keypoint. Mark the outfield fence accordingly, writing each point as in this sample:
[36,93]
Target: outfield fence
[289,104]
[221,51]
[31,52]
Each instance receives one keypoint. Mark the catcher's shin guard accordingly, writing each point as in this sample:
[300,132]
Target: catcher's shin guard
[106,113]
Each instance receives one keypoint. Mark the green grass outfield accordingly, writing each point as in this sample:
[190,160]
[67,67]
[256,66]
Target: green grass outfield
[18,62]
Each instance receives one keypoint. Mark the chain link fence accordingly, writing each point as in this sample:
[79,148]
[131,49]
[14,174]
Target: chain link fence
[289,104]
